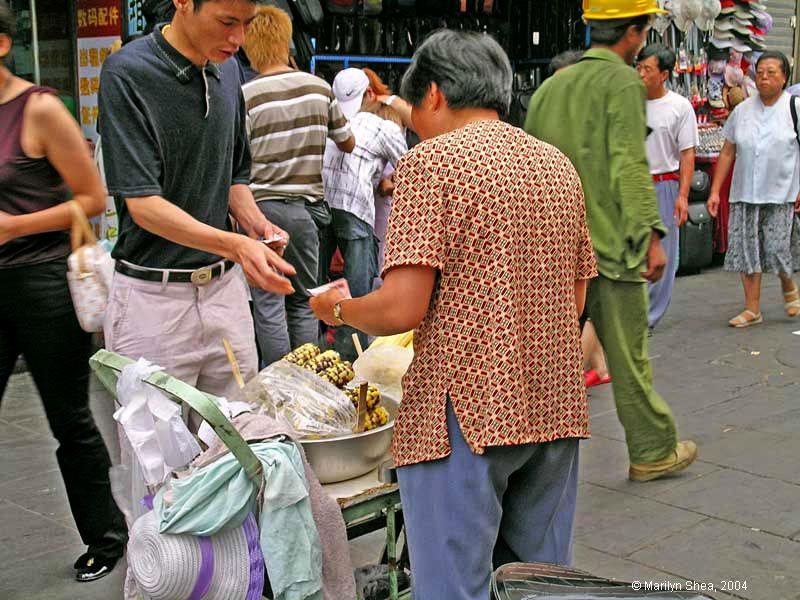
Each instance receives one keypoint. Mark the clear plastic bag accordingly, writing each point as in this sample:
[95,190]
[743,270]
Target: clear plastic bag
[302,400]
[384,367]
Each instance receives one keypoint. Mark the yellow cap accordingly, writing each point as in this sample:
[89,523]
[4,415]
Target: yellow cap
[620,9]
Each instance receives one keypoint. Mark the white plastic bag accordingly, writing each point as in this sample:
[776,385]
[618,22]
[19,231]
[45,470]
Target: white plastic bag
[153,425]
[384,367]
[231,410]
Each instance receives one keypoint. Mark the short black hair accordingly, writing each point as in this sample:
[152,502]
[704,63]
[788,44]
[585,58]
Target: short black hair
[665,56]
[199,3]
[8,22]
[781,58]
[565,59]
[608,32]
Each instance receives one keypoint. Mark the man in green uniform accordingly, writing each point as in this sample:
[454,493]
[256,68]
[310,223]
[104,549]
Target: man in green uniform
[594,112]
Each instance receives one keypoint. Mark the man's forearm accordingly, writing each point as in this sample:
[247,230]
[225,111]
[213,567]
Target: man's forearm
[244,209]
[686,172]
[164,219]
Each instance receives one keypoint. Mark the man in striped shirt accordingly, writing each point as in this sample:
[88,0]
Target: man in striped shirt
[289,116]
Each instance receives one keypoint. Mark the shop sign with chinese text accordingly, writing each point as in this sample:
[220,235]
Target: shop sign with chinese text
[99,27]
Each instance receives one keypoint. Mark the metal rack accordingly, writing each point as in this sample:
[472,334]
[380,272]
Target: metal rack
[346,59]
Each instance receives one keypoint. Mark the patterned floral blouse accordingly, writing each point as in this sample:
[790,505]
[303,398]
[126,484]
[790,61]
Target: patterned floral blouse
[501,216]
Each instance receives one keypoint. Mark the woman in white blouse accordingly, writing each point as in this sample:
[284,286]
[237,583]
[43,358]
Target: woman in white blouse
[763,227]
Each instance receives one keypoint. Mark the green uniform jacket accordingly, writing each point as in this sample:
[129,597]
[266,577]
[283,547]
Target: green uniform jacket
[594,112]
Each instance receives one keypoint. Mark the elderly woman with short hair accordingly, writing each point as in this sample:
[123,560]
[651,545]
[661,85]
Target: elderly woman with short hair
[488,256]
[763,227]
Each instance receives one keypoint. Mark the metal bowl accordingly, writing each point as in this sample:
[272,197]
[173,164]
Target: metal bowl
[349,456]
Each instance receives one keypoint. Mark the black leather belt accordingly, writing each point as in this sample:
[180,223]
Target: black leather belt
[199,276]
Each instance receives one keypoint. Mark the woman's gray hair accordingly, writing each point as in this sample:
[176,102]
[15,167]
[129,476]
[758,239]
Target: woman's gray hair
[470,68]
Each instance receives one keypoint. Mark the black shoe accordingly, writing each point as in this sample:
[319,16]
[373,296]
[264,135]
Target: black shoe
[91,568]
[82,560]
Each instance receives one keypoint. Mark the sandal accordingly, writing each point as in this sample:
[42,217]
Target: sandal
[791,302]
[592,378]
[745,319]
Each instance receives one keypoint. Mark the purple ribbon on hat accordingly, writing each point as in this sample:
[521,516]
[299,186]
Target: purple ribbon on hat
[256,589]
[206,573]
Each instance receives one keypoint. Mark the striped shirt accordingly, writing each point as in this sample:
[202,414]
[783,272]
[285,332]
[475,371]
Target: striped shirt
[350,179]
[289,117]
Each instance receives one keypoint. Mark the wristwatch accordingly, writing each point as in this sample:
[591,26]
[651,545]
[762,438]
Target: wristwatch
[337,313]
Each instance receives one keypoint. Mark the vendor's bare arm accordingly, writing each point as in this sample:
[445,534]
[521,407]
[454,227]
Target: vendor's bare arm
[158,216]
[396,307]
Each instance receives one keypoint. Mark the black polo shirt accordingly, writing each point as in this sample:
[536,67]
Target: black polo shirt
[175,130]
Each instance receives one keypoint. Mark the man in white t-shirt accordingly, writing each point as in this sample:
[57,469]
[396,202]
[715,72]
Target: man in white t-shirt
[670,153]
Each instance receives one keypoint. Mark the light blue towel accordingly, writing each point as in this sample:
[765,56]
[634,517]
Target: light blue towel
[220,495]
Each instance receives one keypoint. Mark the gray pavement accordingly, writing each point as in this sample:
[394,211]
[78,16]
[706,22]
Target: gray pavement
[733,517]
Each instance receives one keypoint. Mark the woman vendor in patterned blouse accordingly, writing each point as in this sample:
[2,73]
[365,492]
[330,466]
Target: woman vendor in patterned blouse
[488,257]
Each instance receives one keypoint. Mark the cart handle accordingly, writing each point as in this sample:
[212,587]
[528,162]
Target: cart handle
[108,365]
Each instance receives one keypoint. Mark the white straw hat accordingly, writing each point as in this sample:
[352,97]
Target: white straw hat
[228,565]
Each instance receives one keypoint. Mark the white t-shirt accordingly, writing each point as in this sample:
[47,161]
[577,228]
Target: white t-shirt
[674,126]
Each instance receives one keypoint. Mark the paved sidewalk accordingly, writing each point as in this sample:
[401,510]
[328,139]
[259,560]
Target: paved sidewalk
[734,516]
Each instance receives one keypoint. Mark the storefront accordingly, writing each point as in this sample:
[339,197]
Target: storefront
[44,47]
[62,44]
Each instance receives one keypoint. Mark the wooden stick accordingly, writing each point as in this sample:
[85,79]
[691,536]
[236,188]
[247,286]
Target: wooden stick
[361,409]
[357,344]
[237,374]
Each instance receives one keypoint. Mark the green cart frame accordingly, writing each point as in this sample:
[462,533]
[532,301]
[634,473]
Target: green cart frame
[364,510]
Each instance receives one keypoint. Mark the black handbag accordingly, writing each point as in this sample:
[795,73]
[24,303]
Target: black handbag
[342,7]
[157,11]
[308,12]
[371,7]
[303,49]
[282,4]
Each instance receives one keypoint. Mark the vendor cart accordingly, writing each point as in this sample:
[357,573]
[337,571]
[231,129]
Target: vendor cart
[367,503]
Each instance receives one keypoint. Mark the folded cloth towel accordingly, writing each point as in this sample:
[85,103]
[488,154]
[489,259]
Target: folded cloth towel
[219,496]
[338,582]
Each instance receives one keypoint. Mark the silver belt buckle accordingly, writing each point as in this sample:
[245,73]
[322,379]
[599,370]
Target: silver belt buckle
[202,276]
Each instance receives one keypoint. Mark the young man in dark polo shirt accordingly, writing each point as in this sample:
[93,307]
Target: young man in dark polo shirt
[177,162]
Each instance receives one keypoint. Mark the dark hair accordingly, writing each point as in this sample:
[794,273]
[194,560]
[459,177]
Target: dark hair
[199,3]
[608,32]
[471,69]
[565,59]
[8,22]
[781,58]
[665,56]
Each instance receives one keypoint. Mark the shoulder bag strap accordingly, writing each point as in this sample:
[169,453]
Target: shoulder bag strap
[107,365]
[793,108]
[81,233]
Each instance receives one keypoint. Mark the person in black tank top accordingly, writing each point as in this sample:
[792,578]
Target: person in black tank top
[42,155]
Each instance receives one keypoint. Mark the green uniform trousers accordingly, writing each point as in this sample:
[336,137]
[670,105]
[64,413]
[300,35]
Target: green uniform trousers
[618,310]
